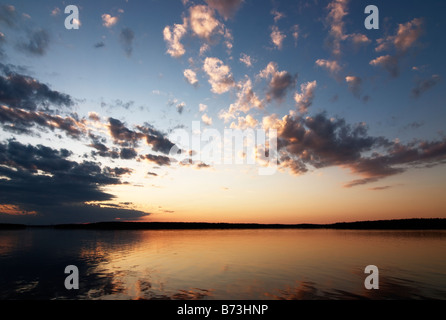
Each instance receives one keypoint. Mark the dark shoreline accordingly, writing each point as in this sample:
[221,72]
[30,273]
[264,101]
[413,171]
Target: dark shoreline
[402,224]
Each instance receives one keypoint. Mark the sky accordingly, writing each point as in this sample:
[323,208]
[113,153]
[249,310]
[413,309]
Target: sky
[111,119]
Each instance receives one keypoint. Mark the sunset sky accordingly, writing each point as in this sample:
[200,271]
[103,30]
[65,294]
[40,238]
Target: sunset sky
[88,116]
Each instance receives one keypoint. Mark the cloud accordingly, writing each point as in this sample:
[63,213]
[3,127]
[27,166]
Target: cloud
[321,142]
[338,10]
[226,8]
[220,77]
[128,153]
[173,36]
[156,139]
[277,37]
[335,19]
[244,123]
[389,63]
[247,60]
[359,39]
[104,151]
[108,21]
[304,99]
[55,12]
[24,92]
[37,44]
[180,107]
[100,44]
[206,120]
[202,107]
[281,82]
[8,15]
[354,85]
[196,165]
[94,116]
[331,65]
[277,15]
[246,98]
[159,160]
[22,121]
[406,37]
[203,22]
[126,37]
[122,135]
[125,137]
[43,180]
[296,32]
[191,77]
[424,85]
[204,48]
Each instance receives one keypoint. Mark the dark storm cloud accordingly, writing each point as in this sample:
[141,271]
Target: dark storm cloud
[129,139]
[128,153]
[37,43]
[322,142]
[104,151]
[159,160]
[118,172]
[45,180]
[22,121]
[126,37]
[280,84]
[64,181]
[24,92]
[156,139]
[123,135]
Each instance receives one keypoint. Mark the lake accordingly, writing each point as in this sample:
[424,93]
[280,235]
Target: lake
[222,264]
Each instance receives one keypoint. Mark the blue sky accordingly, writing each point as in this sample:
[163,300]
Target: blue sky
[245,64]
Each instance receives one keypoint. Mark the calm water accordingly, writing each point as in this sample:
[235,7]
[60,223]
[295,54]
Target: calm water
[239,264]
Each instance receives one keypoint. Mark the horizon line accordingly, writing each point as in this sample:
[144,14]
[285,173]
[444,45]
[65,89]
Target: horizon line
[410,224]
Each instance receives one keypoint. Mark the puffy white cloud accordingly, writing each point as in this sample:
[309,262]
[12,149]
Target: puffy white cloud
[108,21]
[247,60]
[173,36]
[305,99]
[191,77]
[220,77]
[203,22]
[206,120]
[331,65]
[277,37]
[244,123]
[246,98]
[406,37]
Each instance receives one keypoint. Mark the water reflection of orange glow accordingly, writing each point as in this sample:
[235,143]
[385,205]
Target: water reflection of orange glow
[244,264]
